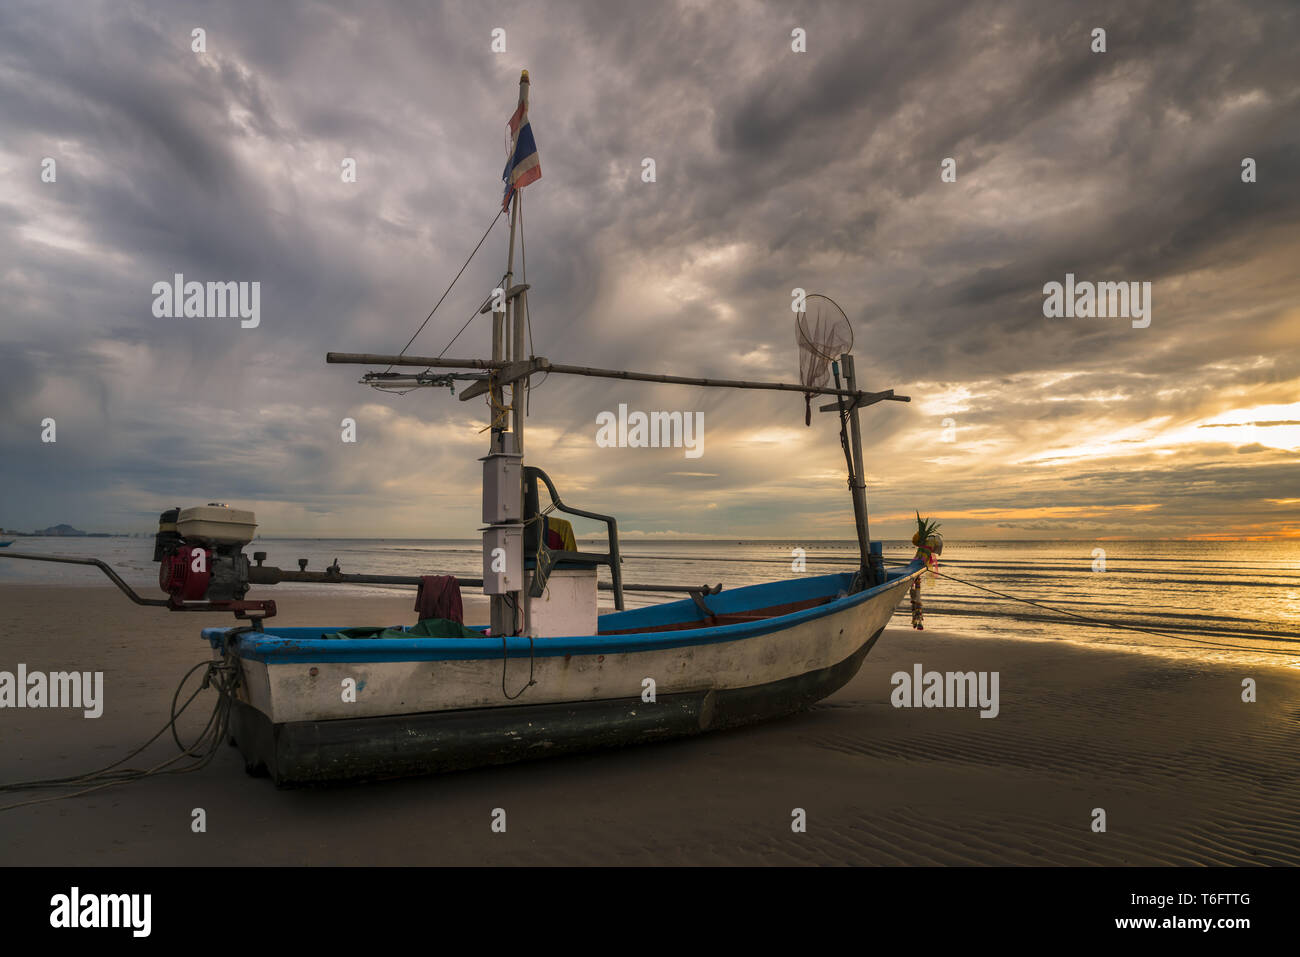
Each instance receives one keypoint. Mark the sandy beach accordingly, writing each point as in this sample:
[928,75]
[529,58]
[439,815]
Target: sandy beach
[1186,772]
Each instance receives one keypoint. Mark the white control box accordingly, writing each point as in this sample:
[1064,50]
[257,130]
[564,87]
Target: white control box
[502,487]
[503,559]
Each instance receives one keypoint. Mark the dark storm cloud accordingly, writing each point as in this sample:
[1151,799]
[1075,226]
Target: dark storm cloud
[775,170]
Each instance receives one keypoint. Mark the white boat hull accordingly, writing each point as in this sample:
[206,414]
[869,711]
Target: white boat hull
[317,711]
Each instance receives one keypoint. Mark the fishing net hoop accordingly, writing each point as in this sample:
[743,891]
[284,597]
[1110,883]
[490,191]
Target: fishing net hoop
[823,333]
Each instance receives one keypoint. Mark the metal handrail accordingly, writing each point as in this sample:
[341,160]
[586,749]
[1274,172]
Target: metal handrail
[613,559]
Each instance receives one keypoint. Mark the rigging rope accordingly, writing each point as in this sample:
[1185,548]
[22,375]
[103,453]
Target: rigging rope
[501,411]
[449,288]
[523,255]
[528,315]
[472,315]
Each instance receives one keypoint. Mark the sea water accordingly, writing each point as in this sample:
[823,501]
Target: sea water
[1202,595]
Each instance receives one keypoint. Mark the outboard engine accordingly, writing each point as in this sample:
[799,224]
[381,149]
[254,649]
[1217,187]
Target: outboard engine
[200,552]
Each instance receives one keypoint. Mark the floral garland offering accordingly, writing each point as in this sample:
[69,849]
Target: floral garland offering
[918,615]
[930,557]
[929,546]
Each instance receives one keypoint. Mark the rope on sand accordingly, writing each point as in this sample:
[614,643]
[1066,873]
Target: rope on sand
[221,674]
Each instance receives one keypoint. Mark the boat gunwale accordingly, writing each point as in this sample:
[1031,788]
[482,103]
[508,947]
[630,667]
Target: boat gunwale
[279,649]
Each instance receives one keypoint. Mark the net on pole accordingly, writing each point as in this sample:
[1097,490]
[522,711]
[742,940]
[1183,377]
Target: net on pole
[824,334]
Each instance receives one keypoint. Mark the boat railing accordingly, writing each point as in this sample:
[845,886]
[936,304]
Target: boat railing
[612,558]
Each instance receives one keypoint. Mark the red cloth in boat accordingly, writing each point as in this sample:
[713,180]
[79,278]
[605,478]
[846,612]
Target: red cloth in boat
[439,597]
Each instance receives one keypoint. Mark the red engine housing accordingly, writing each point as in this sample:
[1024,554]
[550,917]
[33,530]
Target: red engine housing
[177,575]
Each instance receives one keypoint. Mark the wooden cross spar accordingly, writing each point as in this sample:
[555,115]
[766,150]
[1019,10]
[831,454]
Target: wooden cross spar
[513,371]
[504,372]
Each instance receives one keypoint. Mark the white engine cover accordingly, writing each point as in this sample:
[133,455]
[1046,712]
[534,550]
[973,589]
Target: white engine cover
[216,525]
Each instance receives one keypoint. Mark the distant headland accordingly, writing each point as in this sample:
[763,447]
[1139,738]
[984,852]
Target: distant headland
[63,531]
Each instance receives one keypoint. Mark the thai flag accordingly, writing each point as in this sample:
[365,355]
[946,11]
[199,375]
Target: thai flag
[522,166]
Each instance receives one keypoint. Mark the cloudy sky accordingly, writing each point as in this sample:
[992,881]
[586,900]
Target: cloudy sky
[775,169]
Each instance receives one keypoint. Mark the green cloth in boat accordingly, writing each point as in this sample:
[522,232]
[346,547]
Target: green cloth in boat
[427,628]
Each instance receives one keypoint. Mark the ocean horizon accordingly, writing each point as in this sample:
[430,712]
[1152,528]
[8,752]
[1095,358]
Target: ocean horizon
[1209,599]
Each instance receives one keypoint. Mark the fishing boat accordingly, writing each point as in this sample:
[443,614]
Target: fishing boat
[439,704]
[550,673]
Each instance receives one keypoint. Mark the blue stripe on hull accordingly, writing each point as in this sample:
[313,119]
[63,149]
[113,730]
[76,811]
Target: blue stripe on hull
[304,644]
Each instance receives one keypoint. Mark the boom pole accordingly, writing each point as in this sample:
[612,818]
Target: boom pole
[540,364]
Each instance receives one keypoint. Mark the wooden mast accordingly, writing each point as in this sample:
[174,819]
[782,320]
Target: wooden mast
[518,306]
[507,615]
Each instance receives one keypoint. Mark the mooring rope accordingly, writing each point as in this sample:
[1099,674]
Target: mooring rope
[222,674]
[1107,623]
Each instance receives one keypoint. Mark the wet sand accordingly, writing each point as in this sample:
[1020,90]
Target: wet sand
[1186,772]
